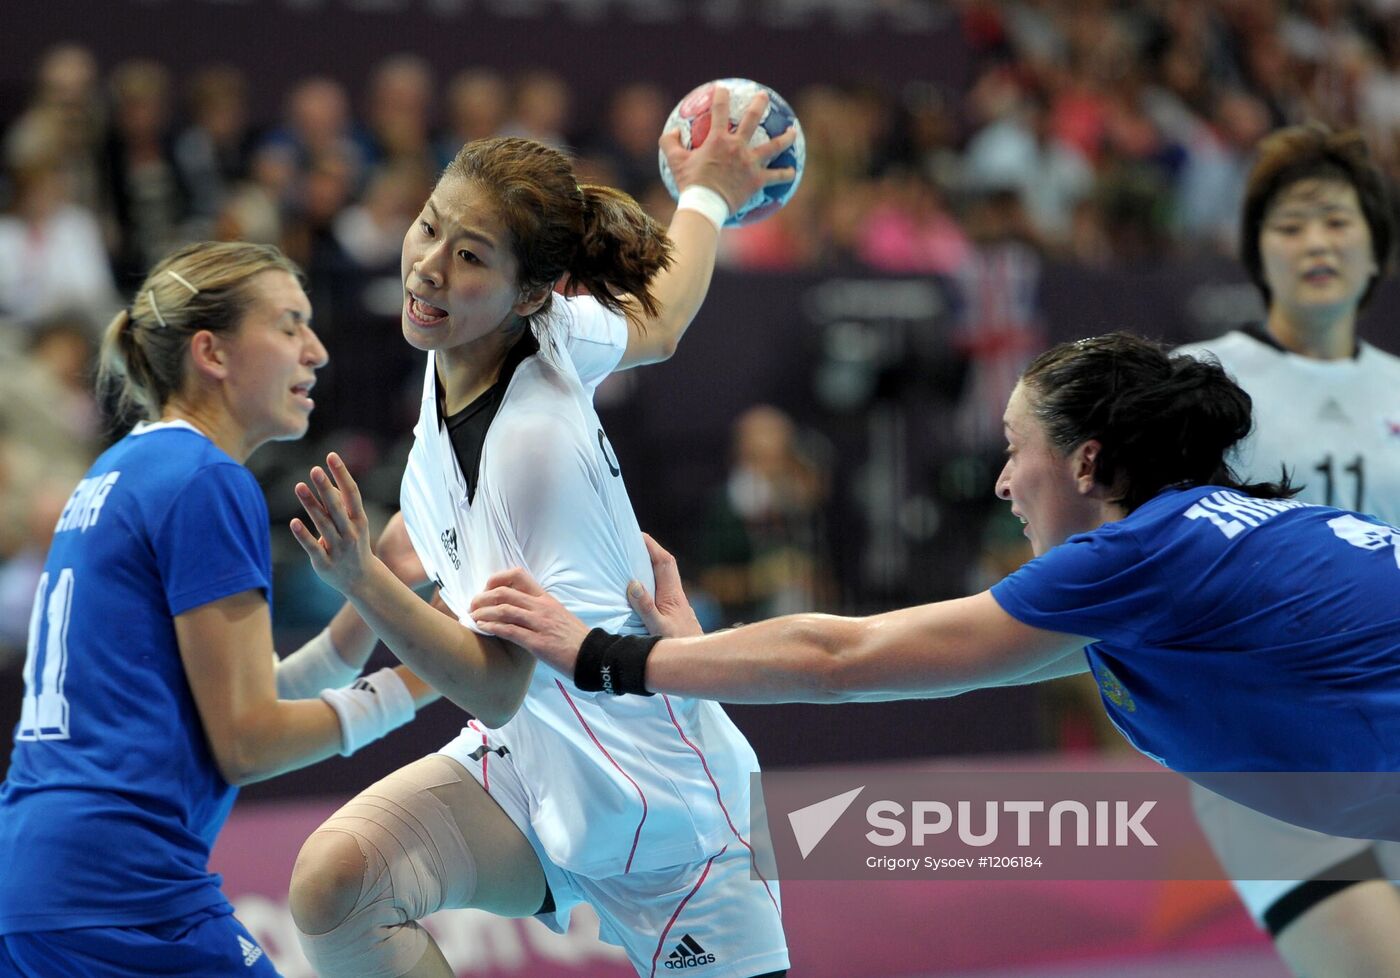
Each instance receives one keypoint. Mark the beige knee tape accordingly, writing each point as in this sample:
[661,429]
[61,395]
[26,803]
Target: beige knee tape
[416,862]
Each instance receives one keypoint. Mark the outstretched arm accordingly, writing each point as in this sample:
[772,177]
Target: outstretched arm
[725,164]
[932,650]
[480,674]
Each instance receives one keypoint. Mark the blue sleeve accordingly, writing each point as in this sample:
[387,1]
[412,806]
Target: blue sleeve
[1098,585]
[213,541]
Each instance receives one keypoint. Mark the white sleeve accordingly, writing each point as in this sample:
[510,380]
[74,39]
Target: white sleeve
[594,337]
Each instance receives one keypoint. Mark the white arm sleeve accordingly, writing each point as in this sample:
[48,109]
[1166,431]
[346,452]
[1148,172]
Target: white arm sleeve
[313,667]
[368,710]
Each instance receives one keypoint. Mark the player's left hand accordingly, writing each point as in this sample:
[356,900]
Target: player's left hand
[341,555]
[669,614]
[514,607]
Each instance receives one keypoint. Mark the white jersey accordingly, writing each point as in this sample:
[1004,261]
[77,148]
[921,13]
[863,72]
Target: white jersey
[1334,423]
[617,784]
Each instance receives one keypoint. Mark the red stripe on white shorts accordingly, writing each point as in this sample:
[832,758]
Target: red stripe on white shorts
[485,777]
[672,922]
[637,837]
[714,784]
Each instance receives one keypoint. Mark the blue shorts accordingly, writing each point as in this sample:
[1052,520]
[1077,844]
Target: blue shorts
[210,943]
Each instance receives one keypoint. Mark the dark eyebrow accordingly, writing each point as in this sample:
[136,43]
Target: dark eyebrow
[462,232]
[1301,208]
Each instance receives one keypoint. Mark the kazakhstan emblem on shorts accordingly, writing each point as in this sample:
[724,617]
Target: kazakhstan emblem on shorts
[1113,690]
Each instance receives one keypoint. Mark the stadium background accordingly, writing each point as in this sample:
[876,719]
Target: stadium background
[983,179]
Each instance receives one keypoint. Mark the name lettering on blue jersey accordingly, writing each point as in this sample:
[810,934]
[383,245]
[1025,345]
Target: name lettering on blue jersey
[1367,536]
[1231,512]
[85,505]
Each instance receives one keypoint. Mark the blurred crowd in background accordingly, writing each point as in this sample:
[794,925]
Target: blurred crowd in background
[1093,132]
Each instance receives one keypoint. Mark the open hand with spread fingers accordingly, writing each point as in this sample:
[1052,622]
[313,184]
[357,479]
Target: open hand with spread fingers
[725,162]
[341,554]
[514,607]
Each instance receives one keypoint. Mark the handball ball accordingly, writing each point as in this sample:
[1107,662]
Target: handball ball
[692,118]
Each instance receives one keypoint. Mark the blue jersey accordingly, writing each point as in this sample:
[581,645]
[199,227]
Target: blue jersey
[112,799]
[1232,633]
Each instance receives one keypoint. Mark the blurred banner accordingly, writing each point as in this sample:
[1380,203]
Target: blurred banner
[596,44]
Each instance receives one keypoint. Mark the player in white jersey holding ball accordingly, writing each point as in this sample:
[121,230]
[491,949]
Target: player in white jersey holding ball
[1315,238]
[552,796]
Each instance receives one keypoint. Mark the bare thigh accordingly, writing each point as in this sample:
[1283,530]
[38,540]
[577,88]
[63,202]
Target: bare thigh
[1351,934]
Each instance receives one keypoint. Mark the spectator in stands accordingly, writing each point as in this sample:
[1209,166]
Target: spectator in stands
[370,232]
[627,145]
[150,195]
[399,114]
[764,548]
[478,105]
[52,255]
[66,104]
[317,122]
[213,150]
[539,107]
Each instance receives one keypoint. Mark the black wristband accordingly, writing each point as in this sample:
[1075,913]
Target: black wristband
[615,664]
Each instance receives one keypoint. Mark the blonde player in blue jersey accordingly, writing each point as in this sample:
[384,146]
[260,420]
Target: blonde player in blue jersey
[1315,233]
[151,688]
[552,796]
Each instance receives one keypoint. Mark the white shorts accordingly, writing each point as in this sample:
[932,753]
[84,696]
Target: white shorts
[1245,840]
[709,919]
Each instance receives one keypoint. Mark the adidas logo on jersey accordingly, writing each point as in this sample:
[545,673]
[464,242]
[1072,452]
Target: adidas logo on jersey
[688,954]
[251,952]
[449,543]
[1333,411]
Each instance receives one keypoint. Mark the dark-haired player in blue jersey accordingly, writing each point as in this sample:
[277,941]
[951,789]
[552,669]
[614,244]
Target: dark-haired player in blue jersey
[1230,628]
[1315,237]
[151,687]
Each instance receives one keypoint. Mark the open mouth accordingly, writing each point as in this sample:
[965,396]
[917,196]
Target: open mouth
[423,314]
[302,392]
[1319,275]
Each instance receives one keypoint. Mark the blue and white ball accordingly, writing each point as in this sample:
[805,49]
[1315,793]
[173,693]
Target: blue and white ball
[692,118]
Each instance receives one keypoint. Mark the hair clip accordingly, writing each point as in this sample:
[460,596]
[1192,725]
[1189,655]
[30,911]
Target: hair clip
[151,297]
[181,279]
